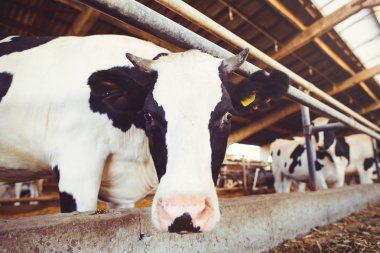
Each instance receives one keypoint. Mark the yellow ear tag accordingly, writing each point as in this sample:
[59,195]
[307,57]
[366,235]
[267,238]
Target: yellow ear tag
[247,101]
[268,100]
[255,107]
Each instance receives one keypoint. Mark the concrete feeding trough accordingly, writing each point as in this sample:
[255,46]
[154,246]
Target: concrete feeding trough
[249,224]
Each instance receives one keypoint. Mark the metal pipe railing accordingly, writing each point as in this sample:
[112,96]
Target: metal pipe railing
[310,152]
[141,16]
[328,127]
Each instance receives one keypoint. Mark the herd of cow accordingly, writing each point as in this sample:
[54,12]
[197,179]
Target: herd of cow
[115,117]
[336,157]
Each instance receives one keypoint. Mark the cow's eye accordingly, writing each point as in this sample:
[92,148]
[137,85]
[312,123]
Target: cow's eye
[226,119]
[228,116]
[148,117]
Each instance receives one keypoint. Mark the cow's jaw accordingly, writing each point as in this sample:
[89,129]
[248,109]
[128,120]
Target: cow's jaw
[188,88]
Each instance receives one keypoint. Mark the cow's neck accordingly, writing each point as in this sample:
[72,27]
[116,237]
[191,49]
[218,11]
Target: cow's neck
[132,174]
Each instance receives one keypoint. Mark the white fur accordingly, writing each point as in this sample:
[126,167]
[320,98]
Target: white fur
[188,88]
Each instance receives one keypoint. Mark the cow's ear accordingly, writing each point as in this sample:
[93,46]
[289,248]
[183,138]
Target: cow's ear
[258,91]
[120,89]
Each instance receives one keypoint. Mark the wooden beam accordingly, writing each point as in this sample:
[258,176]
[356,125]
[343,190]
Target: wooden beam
[279,7]
[371,108]
[359,77]
[283,112]
[83,23]
[323,25]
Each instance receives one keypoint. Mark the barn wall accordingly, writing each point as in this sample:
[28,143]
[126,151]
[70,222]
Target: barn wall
[249,224]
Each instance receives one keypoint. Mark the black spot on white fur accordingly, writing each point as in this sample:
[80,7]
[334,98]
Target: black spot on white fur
[342,148]
[67,202]
[368,162]
[120,93]
[5,83]
[56,172]
[295,155]
[318,165]
[19,44]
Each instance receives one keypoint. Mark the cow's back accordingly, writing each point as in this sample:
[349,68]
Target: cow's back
[46,105]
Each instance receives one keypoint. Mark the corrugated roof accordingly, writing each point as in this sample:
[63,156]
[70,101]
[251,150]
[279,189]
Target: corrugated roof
[361,32]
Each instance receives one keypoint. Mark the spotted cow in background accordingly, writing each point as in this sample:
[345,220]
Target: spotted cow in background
[118,127]
[289,163]
[350,154]
[32,189]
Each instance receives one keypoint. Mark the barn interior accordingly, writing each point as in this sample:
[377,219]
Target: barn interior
[328,58]
[306,36]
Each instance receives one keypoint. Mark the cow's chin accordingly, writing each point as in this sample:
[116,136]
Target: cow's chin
[182,218]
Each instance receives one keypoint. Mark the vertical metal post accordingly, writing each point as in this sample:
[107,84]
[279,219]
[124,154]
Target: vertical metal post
[244,174]
[376,157]
[307,130]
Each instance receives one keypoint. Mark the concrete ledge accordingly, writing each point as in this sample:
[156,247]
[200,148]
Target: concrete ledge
[249,224]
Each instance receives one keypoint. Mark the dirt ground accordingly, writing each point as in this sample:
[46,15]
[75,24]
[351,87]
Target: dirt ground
[359,232]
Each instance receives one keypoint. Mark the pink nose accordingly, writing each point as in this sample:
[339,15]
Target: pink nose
[184,215]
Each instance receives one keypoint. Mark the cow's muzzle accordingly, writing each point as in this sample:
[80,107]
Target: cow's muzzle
[184,215]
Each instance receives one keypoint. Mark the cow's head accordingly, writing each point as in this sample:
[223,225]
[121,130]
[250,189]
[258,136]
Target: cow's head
[324,139]
[187,118]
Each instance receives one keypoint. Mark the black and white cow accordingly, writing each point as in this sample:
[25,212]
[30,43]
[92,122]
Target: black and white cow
[118,128]
[350,154]
[289,163]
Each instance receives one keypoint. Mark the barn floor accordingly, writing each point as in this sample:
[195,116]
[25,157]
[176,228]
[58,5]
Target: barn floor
[359,232]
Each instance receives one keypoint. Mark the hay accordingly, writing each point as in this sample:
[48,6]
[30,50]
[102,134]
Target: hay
[359,232]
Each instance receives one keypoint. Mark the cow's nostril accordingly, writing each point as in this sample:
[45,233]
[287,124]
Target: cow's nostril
[183,224]
[184,215]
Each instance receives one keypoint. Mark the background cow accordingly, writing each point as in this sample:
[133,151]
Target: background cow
[32,189]
[289,163]
[351,154]
[118,127]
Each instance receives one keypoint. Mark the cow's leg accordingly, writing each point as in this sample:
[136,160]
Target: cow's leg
[301,186]
[286,183]
[340,166]
[277,181]
[18,189]
[79,180]
[320,181]
[33,192]
[365,176]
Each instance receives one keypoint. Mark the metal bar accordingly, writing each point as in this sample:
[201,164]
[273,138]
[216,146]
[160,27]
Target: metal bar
[210,25]
[327,127]
[376,158]
[309,145]
[244,168]
[23,200]
[137,14]
[306,100]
